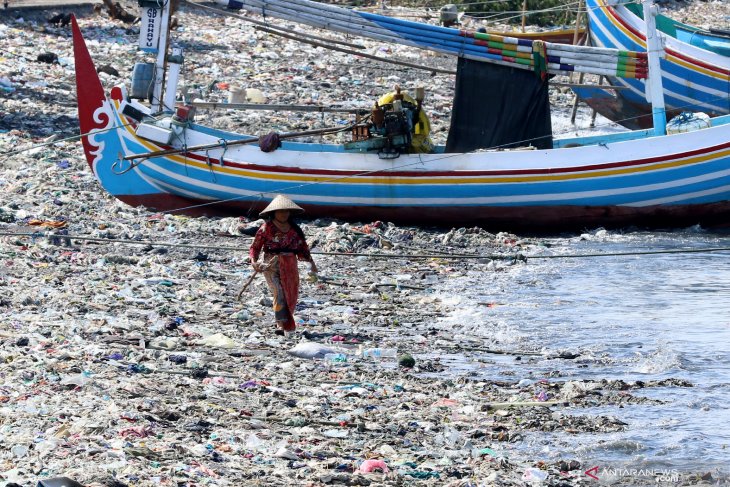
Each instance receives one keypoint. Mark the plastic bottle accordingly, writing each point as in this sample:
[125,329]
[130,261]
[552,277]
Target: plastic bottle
[337,358]
[380,352]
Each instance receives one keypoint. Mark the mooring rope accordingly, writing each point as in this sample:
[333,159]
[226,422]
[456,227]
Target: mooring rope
[448,256]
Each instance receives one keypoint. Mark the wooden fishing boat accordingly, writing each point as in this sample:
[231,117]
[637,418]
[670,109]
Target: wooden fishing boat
[559,35]
[696,74]
[713,40]
[631,178]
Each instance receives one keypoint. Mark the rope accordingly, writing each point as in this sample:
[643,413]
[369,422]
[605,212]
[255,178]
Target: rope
[272,28]
[19,56]
[636,253]
[112,240]
[67,139]
[514,257]
[326,46]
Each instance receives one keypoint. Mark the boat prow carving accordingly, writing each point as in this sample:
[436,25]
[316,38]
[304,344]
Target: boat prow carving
[90,94]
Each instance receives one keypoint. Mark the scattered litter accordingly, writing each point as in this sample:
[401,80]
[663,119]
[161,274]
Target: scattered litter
[311,350]
[371,465]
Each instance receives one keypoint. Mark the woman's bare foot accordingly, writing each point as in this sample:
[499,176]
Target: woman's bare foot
[280,328]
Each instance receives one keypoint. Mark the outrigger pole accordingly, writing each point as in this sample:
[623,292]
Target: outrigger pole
[226,143]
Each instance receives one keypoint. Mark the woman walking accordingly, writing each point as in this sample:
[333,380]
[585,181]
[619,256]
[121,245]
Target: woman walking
[282,243]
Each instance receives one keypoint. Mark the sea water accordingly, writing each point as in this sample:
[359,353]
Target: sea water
[635,317]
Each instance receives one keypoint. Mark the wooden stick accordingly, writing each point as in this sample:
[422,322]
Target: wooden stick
[574,110]
[331,282]
[211,373]
[245,286]
[524,16]
[264,267]
[493,351]
[401,286]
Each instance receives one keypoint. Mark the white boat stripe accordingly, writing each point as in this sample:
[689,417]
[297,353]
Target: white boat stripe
[680,197]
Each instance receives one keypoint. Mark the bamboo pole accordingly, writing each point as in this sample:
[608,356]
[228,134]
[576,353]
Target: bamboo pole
[346,22]
[278,108]
[524,14]
[578,20]
[586,85]
[216,145]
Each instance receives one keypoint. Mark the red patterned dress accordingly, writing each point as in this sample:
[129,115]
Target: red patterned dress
[281,251]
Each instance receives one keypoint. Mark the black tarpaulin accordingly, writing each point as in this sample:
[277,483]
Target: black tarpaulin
[498,106]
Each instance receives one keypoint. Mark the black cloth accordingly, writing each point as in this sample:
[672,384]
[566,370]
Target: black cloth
[498,107]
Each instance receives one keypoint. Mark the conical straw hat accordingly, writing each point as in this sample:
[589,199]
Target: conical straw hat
[281,202]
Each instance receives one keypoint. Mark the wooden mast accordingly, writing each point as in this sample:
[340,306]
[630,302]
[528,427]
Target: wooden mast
[161,61]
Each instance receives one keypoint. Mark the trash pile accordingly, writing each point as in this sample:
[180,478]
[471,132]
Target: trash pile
[154,375]
[139,361]
[127,360]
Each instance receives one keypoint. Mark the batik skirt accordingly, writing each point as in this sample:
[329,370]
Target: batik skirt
[282,276]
